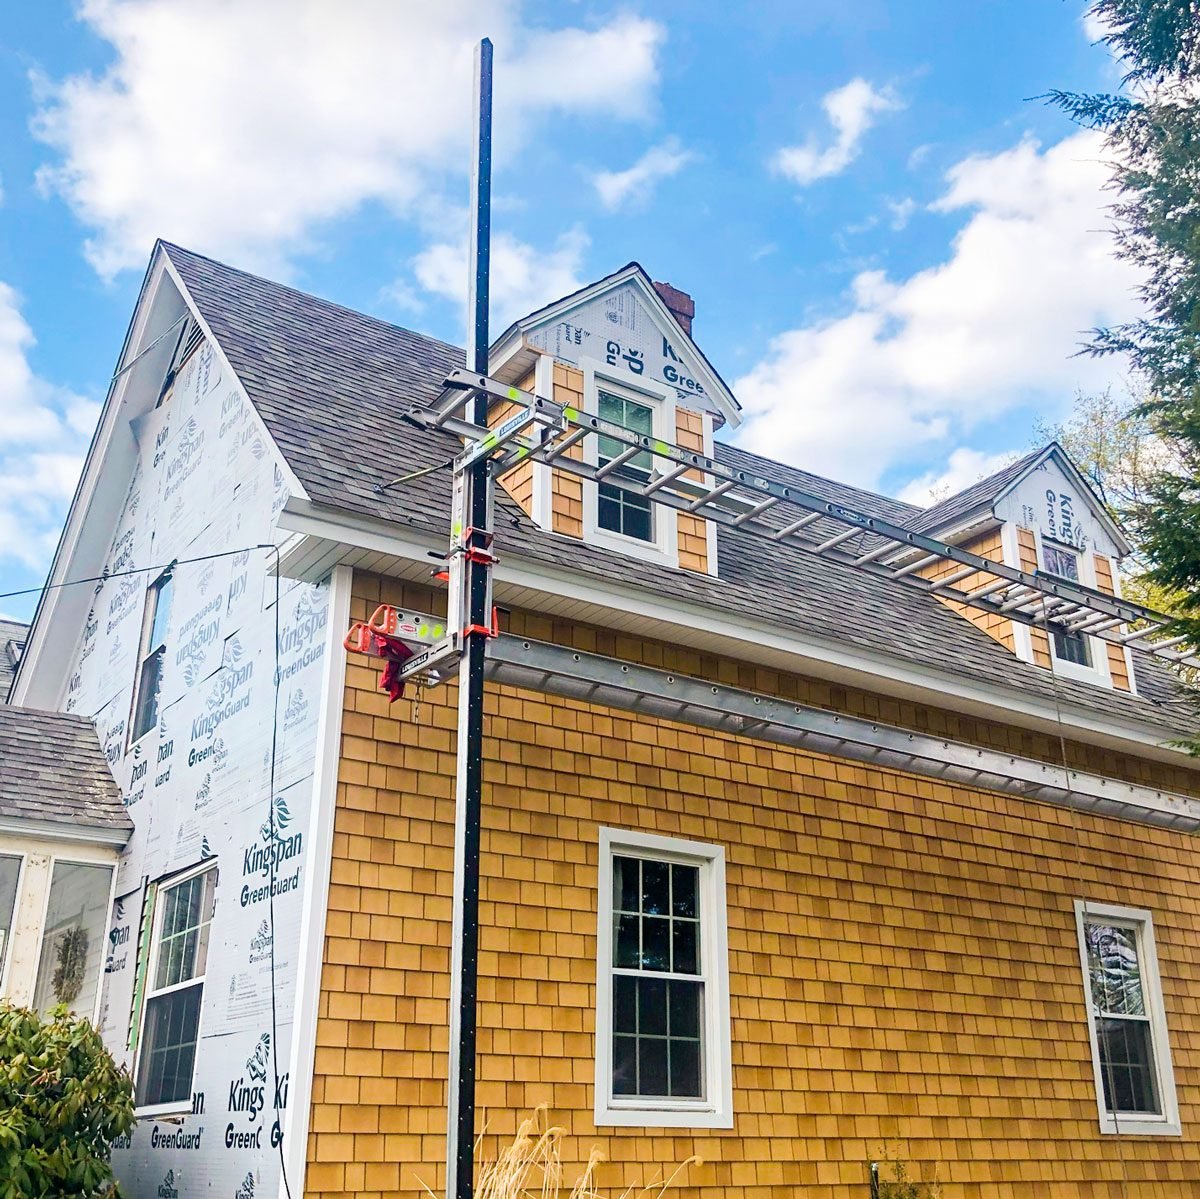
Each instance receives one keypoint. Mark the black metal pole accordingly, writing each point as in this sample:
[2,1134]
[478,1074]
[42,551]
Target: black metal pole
[460,1146]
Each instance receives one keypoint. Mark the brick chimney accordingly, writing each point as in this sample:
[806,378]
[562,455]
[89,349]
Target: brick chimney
[682,306]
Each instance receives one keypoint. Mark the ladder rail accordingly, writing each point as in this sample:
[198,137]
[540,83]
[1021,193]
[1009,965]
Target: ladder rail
[739,499]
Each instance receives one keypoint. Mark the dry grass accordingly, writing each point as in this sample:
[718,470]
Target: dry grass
[531,1168]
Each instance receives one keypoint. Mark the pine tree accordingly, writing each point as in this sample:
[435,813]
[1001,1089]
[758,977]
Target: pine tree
[1152,134]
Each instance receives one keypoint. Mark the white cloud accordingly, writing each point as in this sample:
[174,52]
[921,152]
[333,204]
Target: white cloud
[523,277]
[240,126]
[901,211]
[964,467]
[920,359]
[635,183]
[46,430]
[852,110]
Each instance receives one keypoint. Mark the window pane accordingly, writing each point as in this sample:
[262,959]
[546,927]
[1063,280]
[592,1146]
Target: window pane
[1126,1066]
[652,1007]
[169,1047]
[1071,647]
[685,1069]
[149,681]
[683,1012]
[684,880]
[629,950]
[683,947]
[10,871]
[652,1066]
[656,943]
[73,939]
[625,1066]
[162,613]
[625,1003]
[656,893]
[635,521]
[1115,972]
[627,884]
[1061,562]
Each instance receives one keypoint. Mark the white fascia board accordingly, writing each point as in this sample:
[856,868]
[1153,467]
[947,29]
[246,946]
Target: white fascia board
[44,656]
[68,834]
[527,583]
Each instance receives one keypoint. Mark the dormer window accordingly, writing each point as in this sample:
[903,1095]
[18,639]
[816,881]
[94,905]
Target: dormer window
[1064,563]
[616,517]
[618,510]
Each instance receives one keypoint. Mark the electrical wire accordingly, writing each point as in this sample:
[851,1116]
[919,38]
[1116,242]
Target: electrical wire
[138,570]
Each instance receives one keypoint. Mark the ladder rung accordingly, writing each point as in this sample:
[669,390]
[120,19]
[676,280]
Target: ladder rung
[1023,596]
[1126,638]
[888,547]
[617,462]
[954,577]
[662,480]
[797,525]
[708,497]
[560,447]
[916,564]
[1159,646]
[838,538]
[988,588]
[755,511]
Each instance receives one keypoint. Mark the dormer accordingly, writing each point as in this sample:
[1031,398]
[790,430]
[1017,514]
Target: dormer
[620,348]
[1041,513]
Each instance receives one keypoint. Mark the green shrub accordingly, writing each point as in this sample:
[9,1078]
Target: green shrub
[63,1101]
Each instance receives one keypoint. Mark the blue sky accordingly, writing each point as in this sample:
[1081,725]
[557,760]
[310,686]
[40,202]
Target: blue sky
[893,250]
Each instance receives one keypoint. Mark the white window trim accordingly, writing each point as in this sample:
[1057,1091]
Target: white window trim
[1132,1124]
[180,1107]
[661,402]
[716,1111]
[1097,673]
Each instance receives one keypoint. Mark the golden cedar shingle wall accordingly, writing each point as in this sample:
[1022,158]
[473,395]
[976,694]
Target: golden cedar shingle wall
[567,489]
[904,975]
[1117,665]
[989,546]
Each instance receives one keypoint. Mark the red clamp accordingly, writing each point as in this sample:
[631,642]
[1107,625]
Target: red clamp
[484,630]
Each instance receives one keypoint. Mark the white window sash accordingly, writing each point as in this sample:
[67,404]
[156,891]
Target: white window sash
[715,1110]
[165,887]
[1140,921]
[664,547]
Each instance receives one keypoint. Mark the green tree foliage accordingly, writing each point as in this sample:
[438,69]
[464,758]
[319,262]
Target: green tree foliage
[1153,138]
[63,1101]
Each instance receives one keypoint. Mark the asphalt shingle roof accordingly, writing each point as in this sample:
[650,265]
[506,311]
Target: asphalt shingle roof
[12,641]
[52,769]
[319,374]
[947,512]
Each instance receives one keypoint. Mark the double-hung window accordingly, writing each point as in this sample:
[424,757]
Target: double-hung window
[1064,563]
[152,653]
[662,1012]
[1135,1088]
[618,510]
[174,988]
